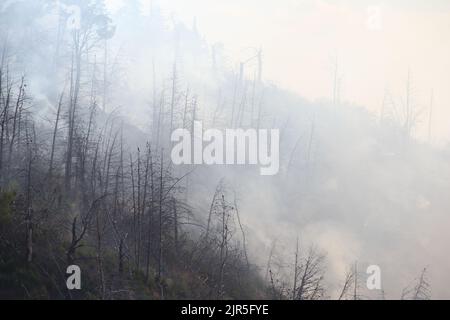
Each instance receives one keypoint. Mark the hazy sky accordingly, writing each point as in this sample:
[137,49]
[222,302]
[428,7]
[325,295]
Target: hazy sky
[375,43]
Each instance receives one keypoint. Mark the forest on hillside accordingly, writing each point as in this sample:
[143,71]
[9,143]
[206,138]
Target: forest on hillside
[88,102]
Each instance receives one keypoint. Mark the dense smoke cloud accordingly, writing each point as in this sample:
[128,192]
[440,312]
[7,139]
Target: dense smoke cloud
[356,186]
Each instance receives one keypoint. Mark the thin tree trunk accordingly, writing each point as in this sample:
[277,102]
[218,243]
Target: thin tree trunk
[55,132]
[160,262]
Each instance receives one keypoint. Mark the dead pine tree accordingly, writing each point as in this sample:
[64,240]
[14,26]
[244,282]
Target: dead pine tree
[422,288]
[296,272]
[419,290]
[144,201]
[173,97]
[310,277]
[78,233]
[223,247]
[6,92]
[75,79]
[241,227]
[16,116]
[30,142]
[54,136]
[175,226]
[160,219]
[138,213]
[150,213]
[216,196]
[269,260]
[134,209]
[348,281]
